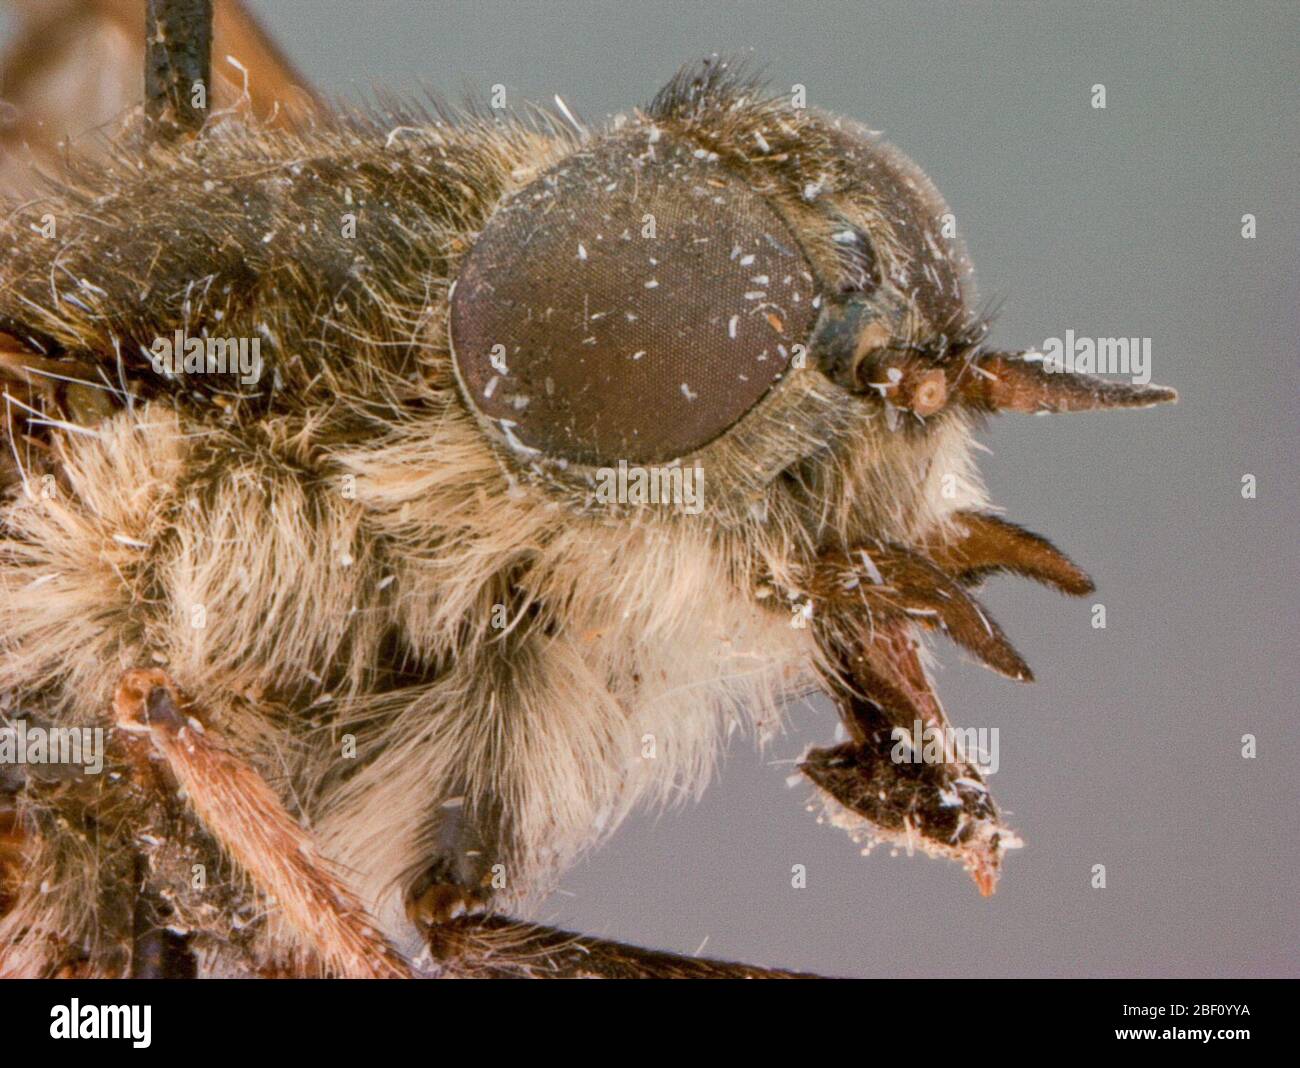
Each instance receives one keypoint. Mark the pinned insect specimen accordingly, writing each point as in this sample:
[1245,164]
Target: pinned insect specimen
[374,657]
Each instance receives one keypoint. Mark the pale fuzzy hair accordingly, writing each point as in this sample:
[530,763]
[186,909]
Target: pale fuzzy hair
[634,642]
[555,727]
[660,651]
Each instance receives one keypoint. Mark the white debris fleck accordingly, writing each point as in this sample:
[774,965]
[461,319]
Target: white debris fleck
[582,251]
[508,432]
[653,283]
[873,572]
[573,121]
[731,327]
[686,392]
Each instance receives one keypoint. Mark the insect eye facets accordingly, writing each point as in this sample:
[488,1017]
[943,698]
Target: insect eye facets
[631,303]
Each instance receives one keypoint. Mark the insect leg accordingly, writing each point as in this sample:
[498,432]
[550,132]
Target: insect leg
[494,947]
[178,56]
[13,848]
[455,883]
[244,815]
[156,952]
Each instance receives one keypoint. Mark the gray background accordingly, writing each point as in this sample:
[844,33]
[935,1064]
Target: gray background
[1117,222]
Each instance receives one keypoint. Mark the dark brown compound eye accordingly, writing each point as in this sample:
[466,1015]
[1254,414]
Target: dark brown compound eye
[632,303]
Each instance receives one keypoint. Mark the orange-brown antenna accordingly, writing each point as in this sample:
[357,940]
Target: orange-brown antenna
[1025,382]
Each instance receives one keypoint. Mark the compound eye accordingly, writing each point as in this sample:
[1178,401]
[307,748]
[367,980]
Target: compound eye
[632,303]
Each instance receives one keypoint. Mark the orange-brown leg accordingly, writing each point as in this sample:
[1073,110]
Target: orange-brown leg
[235,805]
